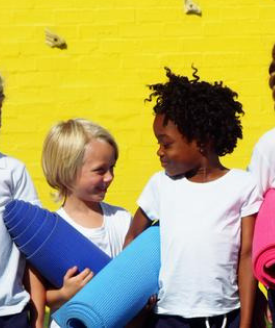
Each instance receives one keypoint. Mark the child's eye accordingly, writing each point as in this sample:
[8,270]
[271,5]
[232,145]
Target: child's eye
[166,145]
[99,171]
[102,171]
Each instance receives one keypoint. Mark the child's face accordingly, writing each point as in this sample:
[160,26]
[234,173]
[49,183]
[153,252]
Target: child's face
[177,155]
[97,172]
[1,103]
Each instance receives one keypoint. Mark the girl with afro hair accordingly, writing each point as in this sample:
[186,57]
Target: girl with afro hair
[206,211]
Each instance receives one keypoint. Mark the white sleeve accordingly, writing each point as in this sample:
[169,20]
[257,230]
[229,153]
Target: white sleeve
[23,187]
[252,199]
[262,167]
[149,200]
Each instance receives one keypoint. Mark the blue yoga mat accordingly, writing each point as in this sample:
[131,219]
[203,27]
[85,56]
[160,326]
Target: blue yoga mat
[120,290]
[49,243]
[11,210]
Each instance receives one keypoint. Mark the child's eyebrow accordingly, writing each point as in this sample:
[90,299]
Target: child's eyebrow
[161,136]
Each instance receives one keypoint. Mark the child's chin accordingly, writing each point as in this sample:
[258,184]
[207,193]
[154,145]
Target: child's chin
[101,197]
[170,173]
[97,199]
[174,175]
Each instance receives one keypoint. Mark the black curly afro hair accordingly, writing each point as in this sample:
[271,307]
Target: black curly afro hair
[271,71]
[207,113]
[2,96]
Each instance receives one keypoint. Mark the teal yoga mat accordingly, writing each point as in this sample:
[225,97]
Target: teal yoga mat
[49,243]
[120,290]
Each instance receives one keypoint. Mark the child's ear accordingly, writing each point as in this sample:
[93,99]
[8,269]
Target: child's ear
[203,151]
[201,148]
[205,147]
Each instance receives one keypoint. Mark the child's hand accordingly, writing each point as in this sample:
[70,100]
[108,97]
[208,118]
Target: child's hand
[268,315]
[72,284]
[151,303]
[140,319]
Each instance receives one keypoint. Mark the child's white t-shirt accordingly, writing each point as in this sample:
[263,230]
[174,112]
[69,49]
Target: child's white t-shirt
[15,183]
[262,164]
[110,236]
[200,240]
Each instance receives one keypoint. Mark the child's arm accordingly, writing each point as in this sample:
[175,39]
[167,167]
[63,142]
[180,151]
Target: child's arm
[71,285]
[141,319]
[247,283]
[139,224]
[35,285]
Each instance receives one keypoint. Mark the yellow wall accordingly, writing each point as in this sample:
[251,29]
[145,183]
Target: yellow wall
[115,48]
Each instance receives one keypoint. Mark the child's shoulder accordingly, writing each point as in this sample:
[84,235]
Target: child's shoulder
[244,178]
[160,176]
[10,163]
[115,211]
[268,138]
[116,217]
[237,173]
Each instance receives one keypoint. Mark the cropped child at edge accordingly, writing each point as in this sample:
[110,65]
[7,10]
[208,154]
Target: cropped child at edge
[15,183]
[262,166]
[206,211]
[78,160]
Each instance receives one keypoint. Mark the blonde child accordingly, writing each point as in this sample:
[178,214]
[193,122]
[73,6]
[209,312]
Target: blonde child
[78,161]
[205,210]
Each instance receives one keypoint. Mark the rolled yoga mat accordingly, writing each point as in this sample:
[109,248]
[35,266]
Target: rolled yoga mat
[49,243]
[120,290]
[263,251]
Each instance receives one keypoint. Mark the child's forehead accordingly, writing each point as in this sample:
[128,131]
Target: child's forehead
[97,146]
[164,123]
[165,130]
[95,143]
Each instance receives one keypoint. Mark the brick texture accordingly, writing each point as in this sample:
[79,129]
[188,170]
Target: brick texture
[115,48]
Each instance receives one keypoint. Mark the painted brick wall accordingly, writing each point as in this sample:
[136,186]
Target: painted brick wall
[115,48]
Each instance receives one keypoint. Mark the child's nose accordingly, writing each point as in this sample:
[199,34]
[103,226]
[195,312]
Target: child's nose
[160,152]
[108,176]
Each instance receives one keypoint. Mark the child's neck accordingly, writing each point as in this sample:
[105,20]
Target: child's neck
[86,214]
[210,169]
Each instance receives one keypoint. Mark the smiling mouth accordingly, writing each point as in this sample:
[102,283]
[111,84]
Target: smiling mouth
[103,191]
[163,163]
